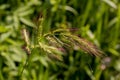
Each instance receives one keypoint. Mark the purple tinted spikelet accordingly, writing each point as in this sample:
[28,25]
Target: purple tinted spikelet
[85,45]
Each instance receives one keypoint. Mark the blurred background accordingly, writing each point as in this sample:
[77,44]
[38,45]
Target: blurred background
[95,20]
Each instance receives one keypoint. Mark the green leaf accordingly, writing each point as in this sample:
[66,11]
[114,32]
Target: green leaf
[4,36]
[43,61]
[114,52]
[68,8]
[4,6]
[3,29]
[111,3]
[27,22]
[25,13]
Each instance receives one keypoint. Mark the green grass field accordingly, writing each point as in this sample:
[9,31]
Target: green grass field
[59,40]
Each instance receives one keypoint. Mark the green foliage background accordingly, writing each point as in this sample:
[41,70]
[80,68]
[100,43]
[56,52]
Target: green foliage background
[96,20]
